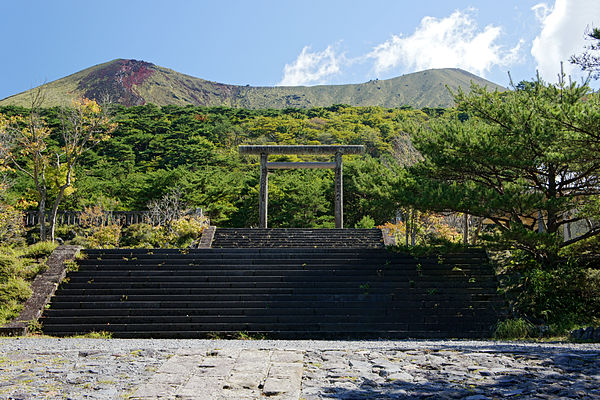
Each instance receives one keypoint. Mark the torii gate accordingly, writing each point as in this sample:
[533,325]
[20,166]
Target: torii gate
[265,166]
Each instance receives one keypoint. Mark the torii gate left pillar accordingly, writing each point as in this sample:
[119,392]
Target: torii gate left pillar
[265,166]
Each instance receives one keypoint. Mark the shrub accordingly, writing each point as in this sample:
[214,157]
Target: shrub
[365,222]
[561,296]
[66,232]
[180,233]
[98,228]
[188,229]
[39,250]
[14,288]
[9,310]
[517,328]
[18,266]
[11,224]
[140,235]
[13,292]
[9,267]
[105,236]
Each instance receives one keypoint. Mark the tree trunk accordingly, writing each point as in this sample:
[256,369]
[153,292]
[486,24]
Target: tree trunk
[407,226]
[54,212]
[42,216]
[466,229]
[478,230]
[551,210]
[413,228]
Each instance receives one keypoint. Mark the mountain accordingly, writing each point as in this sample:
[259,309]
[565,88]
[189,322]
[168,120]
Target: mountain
[133,82]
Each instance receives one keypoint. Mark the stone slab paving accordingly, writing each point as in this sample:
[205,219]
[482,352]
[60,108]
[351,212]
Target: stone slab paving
[227,374]
[34,368]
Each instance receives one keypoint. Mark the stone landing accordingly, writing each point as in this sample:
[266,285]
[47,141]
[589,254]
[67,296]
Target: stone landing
[227,374]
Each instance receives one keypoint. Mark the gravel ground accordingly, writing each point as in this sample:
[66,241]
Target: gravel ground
[44,368]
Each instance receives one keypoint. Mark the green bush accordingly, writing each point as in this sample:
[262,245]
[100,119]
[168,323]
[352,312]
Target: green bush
[80,241]
[180,234]
[365,222]
[517,328]
[39,250]
[562,296]
[107,236]
[187,229]
[29,268]
[103,237]
[9,267]
[66,232]
[19,266]
[9,310]
[14,288]
[140,235]
[11,225]
[13,292]
[590,291]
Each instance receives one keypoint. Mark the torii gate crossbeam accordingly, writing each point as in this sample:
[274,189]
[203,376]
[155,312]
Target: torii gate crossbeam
[265,166]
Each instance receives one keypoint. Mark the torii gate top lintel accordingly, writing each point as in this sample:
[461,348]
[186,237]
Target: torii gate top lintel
[265,150]
[299,149]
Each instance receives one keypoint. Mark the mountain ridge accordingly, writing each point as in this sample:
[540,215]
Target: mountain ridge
[133,82]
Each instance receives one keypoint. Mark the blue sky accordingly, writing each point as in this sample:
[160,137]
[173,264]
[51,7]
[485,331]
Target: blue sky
[308,42]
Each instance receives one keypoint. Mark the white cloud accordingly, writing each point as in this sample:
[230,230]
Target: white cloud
[562,34]
[541,10]
[453,41]
[311,67]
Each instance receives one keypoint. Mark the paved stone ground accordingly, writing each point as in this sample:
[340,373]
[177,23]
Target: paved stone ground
[229,370]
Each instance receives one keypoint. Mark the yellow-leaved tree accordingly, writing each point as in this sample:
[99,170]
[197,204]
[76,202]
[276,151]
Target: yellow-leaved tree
[24,147]
[24,150]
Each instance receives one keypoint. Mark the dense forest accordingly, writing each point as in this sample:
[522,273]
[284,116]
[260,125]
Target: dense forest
[193,150]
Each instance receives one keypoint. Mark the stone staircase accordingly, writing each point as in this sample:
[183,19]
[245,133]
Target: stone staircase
[312,292]
[297,237]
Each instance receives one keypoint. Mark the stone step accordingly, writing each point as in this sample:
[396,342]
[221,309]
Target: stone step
[264,323]
[199,301]
[250,322]
[364,268]
[295,287]
[278,269]
[316,238]
[341,327]
[204,304]
[471,252]
[291,268]
[262,289]
[373,334]
[434,308]
[280,254]
[294,274]
[281,307]
[413,297]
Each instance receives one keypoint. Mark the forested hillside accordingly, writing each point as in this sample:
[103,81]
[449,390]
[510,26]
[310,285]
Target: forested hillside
[193,150]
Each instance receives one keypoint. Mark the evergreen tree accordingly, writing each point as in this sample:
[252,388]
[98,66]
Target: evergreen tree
[525,159]
[590,59]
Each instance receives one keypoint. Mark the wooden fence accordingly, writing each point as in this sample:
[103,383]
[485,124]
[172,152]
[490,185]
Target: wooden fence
[124,218]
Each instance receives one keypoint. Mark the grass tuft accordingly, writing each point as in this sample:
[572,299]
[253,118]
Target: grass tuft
[512,329]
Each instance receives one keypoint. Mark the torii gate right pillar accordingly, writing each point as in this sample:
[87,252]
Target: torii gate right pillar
[263,196]
[339,191]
